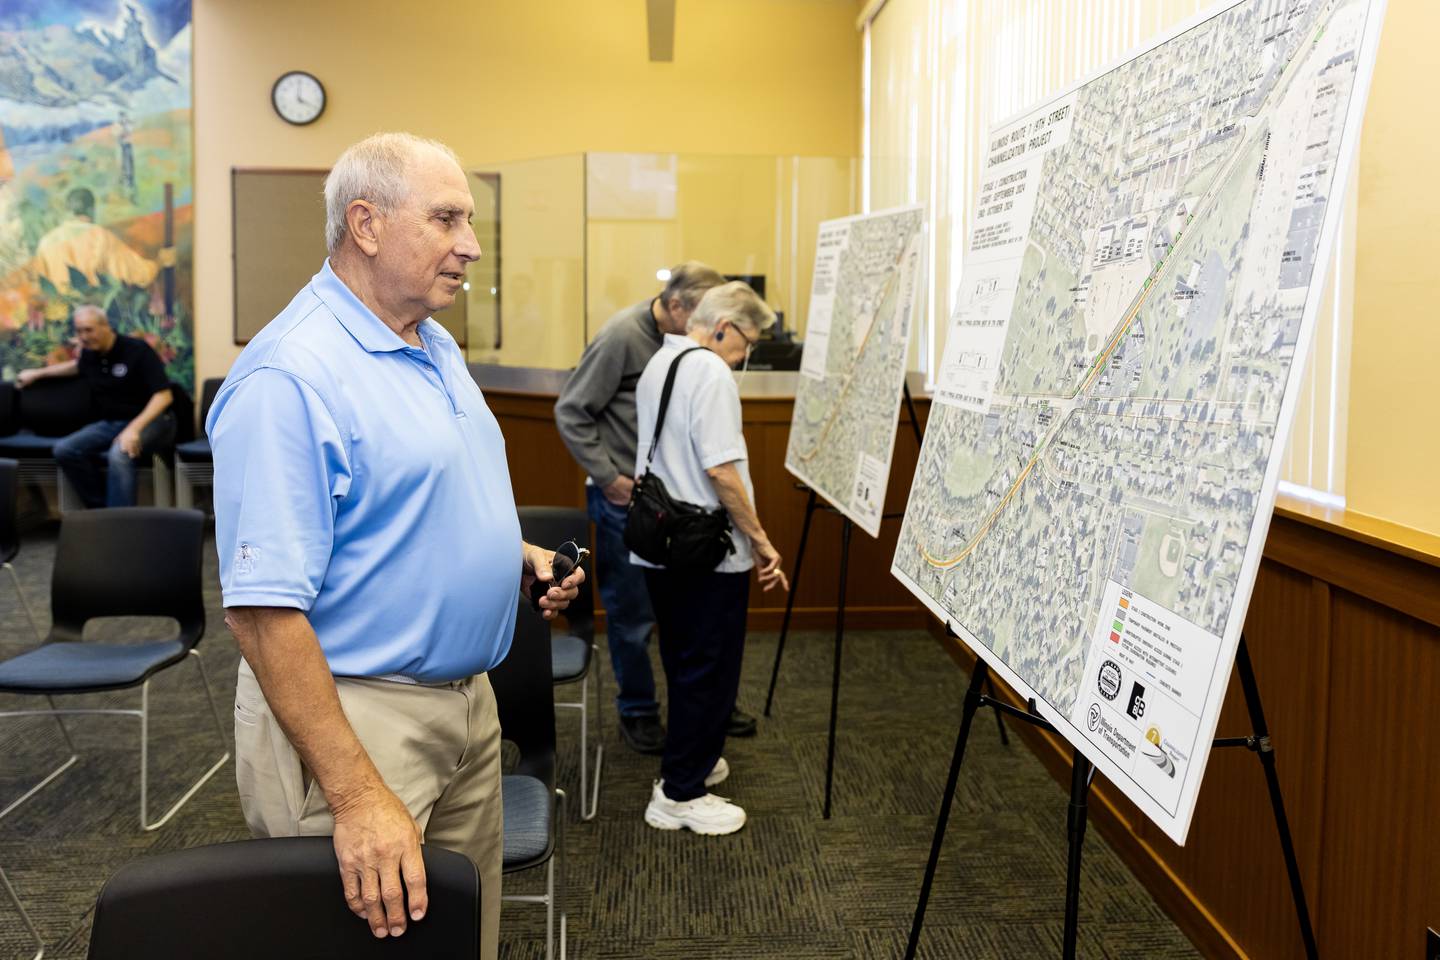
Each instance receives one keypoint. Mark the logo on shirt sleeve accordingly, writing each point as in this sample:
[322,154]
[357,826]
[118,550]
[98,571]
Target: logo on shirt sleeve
[245,557]
[120,369]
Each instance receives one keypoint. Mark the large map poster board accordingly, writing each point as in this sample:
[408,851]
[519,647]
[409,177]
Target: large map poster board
[857,336]
[1135,307]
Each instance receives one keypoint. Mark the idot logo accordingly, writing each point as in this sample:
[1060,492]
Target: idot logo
[1136,706]
[1093,717]
[1109,680]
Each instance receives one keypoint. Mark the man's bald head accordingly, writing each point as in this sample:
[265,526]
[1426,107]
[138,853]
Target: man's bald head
[92,328]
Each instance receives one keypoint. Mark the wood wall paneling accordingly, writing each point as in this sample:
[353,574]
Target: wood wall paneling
[1381,881]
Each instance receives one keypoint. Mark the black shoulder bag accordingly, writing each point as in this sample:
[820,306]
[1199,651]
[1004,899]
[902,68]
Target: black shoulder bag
[670,532]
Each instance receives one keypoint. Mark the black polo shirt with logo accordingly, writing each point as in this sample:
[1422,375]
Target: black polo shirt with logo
[123,379]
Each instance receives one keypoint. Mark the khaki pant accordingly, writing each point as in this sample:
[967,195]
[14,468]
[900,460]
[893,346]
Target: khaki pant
[437,748]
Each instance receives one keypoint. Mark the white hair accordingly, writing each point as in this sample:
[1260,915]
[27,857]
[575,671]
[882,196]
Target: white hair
[90,310]
[373,170]
[733,301]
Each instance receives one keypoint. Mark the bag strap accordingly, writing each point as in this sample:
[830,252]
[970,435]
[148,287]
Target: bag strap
[668,389]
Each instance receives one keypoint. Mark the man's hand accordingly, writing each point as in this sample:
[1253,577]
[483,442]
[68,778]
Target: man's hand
[619,491]
[24,378]
[129,440]
[377,843]
[536,566]
[769,567]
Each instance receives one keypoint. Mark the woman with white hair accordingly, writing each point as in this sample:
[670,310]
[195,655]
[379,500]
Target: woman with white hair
[701,458]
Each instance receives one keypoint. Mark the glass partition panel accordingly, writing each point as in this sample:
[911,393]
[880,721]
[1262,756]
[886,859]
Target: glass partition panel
[568,241]
[526,305]
[753,217]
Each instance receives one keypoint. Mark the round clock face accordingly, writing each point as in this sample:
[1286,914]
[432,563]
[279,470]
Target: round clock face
[298,97]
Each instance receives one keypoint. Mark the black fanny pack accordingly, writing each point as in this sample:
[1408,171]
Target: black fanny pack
[670,532]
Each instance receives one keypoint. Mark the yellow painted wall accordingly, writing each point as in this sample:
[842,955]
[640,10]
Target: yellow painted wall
[741,215]
[503,80]
[1393,461]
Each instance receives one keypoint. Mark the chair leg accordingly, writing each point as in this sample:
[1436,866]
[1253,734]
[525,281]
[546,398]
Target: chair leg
[67,499]
[559,895]
[594,805]
[163,485]
[24,917]
[145,752]
[550,909]
[184,489]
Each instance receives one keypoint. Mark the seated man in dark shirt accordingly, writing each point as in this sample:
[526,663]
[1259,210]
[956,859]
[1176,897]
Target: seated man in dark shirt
[130,397]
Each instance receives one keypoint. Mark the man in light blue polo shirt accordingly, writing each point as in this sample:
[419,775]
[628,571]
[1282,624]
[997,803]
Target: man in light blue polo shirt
[370,552]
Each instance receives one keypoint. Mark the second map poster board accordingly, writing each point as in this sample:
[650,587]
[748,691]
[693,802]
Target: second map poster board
[857,337]
[1136,305]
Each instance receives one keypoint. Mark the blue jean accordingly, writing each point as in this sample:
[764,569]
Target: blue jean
[628,618]
[77,455]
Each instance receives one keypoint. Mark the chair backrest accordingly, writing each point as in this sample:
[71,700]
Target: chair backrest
[208,390]
[129,562]
[55,406]
[182,406]
[525,696]
[549,527]
[9,409]
[279,898]
[9,494]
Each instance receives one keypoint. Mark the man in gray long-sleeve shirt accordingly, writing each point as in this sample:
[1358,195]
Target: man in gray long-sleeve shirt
[596,418]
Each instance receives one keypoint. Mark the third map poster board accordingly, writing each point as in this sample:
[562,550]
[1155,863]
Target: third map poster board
[857,338]
[1135,306]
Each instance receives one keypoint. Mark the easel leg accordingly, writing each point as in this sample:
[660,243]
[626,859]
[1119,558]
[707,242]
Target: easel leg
[790,600]
[999,714]
[1277,801]
[967,714]
[914,419]
[845,529]
[1081,772]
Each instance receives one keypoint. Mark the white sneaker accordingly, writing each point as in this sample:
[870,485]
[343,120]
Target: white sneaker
[717,775]
[709,815]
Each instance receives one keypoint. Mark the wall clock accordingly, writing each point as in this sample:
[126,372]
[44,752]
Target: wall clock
[298,97]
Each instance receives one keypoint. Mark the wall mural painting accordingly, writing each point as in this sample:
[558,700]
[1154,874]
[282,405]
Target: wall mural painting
[96,192]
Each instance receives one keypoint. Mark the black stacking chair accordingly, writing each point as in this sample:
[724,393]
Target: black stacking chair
[534,807]
[278,898]
[9,550]
[573,653]
[42,413]
[10,533]
[194,463]
[134,561]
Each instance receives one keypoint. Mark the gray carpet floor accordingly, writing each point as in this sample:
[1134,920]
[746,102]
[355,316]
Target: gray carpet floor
[789,885]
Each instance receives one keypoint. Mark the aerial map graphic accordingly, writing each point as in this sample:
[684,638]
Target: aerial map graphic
[1131,324]
[857,335]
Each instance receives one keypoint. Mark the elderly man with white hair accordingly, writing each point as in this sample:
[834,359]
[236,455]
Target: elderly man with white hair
[370,552]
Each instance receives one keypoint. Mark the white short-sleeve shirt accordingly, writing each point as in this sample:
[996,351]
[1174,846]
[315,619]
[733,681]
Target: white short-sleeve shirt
[702,430]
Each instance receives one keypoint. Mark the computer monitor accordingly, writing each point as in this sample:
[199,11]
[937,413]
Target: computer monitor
[755,280]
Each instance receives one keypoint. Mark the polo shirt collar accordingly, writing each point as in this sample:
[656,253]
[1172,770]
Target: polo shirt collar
[369,330]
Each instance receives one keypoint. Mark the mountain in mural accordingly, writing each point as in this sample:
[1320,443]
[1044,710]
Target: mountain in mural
[62,65]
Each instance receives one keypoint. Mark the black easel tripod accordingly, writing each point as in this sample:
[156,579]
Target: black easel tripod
[1083,772]
[812,504]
